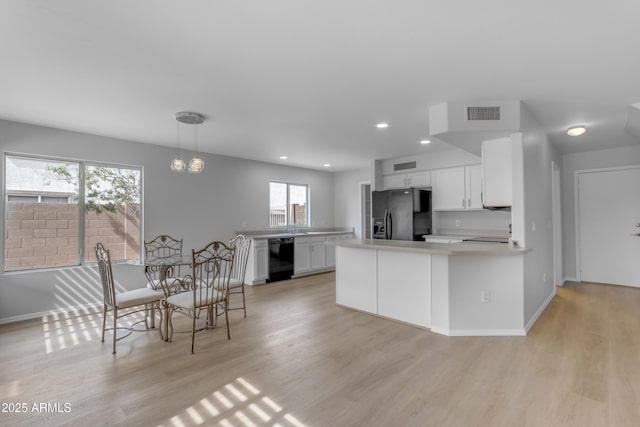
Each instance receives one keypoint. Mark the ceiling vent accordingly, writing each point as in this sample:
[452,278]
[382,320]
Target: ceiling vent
[482,113]
[404,166]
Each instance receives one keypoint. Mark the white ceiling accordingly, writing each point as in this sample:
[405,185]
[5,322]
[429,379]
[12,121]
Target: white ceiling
[310,79]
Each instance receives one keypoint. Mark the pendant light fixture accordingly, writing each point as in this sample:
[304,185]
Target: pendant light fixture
[177,164]
[196,165]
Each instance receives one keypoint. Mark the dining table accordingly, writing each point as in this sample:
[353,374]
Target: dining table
[163,272]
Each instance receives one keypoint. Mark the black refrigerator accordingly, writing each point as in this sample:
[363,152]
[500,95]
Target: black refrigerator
[403,214]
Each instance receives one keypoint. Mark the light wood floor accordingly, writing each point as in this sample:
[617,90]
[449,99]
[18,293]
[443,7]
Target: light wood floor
[297,359]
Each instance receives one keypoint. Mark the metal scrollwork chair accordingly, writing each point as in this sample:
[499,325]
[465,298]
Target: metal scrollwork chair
[166,247]
[209,286]
[134,301]
[236,284]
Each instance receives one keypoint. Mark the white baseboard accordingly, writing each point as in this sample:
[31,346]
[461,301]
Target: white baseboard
[479,332]
[31,316]
[570,279]
[540,310]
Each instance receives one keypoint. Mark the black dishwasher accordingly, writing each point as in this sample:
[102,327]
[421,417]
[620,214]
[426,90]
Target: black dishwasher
[280,259]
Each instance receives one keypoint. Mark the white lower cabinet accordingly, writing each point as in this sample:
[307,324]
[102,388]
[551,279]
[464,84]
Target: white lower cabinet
[404,287]
[313,254]
[258,262]
[301,255]
[318,255]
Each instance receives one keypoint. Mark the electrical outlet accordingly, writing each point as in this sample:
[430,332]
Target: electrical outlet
[244,224]
[485,296]
[457,223]
[533,226]
[544,277]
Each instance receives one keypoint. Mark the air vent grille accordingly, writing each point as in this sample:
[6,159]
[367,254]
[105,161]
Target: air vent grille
[483,113]
[404,166]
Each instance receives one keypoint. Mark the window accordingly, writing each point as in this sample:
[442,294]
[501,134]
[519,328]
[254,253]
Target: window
[45,225]
[288,204]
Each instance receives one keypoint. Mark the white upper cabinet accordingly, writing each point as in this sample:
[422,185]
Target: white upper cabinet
[405,180]
[497,172]
[448,189]
[457,188]
[473,186]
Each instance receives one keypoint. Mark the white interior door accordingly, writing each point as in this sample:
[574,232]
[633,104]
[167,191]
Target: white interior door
[608,217]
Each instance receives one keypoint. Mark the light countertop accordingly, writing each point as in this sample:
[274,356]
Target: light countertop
[452,249]
[276,234]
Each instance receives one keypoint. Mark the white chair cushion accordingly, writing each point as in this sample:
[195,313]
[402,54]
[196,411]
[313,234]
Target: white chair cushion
[137,297]
[233,283]
[185,299]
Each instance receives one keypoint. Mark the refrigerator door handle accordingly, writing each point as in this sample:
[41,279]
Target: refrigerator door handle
[390,228]
[386,229]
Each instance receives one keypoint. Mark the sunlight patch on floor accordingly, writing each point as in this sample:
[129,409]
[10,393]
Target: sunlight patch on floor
[70,328]
[237,404]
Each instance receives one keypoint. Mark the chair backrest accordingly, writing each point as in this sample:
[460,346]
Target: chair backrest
[211,268]
[242,246]
[106,274]
[163,246]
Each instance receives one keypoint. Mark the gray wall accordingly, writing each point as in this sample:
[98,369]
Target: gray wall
[538,154]
[571,163]
[348,198]
[229,194]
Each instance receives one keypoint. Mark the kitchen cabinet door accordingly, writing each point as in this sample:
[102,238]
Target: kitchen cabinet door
[497,172]
[301,255]
[419,179]
[448,190]
[473,187]
[394,181]
[318,256]
[262,263]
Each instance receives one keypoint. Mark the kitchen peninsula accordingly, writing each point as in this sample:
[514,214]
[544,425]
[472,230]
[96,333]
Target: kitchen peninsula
[460,289]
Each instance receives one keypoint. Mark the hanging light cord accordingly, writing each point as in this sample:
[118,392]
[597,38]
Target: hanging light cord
[178,124]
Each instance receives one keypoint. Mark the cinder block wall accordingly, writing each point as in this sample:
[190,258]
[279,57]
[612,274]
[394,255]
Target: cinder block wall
[40,235]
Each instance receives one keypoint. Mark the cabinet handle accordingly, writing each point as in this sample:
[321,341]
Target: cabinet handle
[469,202]
[463,203]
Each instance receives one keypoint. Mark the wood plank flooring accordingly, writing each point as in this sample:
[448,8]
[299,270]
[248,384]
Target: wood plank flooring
[299,360]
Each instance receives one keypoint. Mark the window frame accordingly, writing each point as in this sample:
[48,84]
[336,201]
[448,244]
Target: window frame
[288,205]
[82,164]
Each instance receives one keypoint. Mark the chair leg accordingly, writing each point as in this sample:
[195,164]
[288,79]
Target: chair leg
[244,304]
[115,320]
[169,323]
[193,331]
[161,319]
[226,318]
[104,320]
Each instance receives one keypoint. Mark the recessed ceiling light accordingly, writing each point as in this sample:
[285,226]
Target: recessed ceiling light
[283,157]
[425,141]
[382,125]
[327,165]
[576,130]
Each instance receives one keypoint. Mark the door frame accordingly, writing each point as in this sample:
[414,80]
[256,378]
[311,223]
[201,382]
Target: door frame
[365,210]
[576,207]
[556,203]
